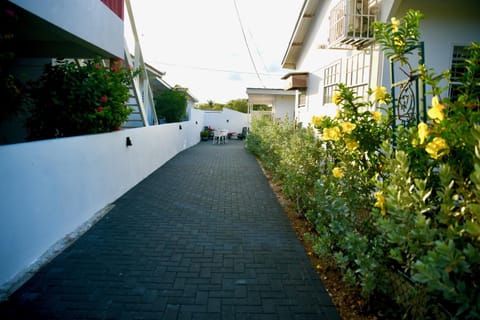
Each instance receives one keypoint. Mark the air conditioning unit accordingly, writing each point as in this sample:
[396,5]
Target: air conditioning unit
[351,24]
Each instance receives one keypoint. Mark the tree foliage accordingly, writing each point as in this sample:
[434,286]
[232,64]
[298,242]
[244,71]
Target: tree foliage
[210,105]
[171,105]
[240,105]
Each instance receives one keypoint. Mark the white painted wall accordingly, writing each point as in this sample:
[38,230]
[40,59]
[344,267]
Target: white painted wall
[98,25]
[284,107]
[51,187]
[313,59]
[218,119]
[446,23]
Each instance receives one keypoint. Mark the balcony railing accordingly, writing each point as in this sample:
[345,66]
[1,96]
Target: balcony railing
[350,24]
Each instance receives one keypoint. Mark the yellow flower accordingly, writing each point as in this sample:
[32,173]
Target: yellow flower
[380,202]
[398,41]
[437,148]
[337,97]
[423,132]
[352,145]
[377,116]
[317,121]
[348,127]
[436,114]
[331,134]
[436,111]
[415,142]
[337,172]
[395,24]
[381,94]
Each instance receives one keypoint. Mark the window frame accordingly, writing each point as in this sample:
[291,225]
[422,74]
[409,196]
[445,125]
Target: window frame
[357,72]
[332,76]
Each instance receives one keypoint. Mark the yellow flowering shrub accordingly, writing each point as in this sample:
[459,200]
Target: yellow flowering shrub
[377,116]
[317,121]
[437,148]
[395,24]
[380,203]
[337,97]
[436,111]
[337,172]
[352,145]
[347,127]
[378,208]
[381,95]
[332,134]
[423,132]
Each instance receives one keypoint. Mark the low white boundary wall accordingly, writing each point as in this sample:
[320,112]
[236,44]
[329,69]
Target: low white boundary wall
[50,188]
[226,119]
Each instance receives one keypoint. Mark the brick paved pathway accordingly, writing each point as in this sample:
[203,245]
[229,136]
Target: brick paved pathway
[203,237]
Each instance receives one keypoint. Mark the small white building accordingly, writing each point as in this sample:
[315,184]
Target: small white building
[282,102]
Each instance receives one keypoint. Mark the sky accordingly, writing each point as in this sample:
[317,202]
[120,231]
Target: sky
[200,44]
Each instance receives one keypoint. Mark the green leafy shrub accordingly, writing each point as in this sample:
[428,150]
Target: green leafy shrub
[429,215]
[171,105]
[71,99]
[292,155]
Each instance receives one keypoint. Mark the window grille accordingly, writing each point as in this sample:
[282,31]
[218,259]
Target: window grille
[351,24]
[460,54]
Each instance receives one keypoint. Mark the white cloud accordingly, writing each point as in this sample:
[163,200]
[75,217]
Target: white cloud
[200,43]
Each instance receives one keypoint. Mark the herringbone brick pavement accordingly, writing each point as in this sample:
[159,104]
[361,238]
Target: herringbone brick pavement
[203,237]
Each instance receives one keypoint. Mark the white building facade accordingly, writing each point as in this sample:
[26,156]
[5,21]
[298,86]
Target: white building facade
[332,52]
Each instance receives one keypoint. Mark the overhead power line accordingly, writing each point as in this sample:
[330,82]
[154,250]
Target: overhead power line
[246,43]
[214,69]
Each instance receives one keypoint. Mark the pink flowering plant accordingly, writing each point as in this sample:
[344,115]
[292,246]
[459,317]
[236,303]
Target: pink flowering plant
[72,99]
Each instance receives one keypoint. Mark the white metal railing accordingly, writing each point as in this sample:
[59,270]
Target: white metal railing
[140,83]
[351,23]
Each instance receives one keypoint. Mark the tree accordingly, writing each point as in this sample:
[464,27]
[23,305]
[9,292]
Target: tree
[240,105]
[171,105]
[210,105]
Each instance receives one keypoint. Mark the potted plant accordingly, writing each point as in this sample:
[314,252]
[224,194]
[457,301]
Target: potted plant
[204,135]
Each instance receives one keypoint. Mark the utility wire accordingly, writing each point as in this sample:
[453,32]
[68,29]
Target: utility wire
[266,74]
[246,43]
[258,50]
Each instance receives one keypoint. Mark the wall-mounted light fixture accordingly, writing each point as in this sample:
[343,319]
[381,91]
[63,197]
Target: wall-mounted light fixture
[228,121]
[180,127]
[196,122]
[128,142]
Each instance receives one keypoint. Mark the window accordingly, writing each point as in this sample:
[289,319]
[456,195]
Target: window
[331,77]
[358,73]
[460,54]
[302,99]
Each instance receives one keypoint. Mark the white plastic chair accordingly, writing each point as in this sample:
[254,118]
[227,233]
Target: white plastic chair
[217,136]
[224,135]
[220,136]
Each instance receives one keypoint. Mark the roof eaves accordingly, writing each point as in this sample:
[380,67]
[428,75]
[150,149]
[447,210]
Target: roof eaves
[307,13]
